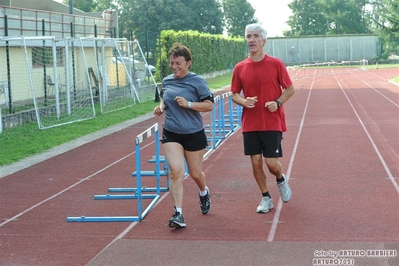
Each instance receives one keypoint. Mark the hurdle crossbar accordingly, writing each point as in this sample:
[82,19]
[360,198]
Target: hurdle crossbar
[139,191]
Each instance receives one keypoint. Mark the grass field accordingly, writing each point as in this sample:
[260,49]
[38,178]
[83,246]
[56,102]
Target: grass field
[27,140]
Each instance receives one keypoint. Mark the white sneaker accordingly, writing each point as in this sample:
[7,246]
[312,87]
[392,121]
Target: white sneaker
[265,205]
[285,191]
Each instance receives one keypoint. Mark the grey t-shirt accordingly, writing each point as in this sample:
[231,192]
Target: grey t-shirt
[194,89]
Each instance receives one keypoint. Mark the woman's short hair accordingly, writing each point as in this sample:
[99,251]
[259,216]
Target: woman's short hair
[180,50]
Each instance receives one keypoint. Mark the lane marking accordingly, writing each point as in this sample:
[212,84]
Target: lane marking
[15,217]
[66,189]
[374,89]
[276,217]
[390,176]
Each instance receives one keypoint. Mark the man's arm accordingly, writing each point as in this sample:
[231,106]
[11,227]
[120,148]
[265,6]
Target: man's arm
[248,102]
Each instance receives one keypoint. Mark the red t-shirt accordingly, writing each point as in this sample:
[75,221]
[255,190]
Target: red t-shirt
[265,79]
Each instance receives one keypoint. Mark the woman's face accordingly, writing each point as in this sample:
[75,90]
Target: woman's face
[179,66]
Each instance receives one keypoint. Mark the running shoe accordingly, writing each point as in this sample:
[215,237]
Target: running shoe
[177,221]
[265,205]
[285,191]
[205,202]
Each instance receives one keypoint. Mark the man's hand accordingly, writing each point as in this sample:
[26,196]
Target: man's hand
[250,102]
[272,106]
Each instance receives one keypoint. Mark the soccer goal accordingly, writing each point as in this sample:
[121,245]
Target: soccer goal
[121,73]
[50,77]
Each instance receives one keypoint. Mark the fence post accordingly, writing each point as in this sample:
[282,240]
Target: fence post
[1,123]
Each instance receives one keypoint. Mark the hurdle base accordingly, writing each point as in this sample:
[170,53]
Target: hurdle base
[132,196]
[104,219]
[133,190]
[136,218]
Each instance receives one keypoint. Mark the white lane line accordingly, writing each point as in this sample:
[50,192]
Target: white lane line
[133,224]
[374,89]
[65,190]
[77,183]
[390,176]
[276,217]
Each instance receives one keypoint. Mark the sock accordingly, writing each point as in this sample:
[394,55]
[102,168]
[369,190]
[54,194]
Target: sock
[179,210]
[203,193]
[280,180]
[266,194]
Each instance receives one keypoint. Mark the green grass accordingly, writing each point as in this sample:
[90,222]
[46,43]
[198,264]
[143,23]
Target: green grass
[26,140]
[395,80]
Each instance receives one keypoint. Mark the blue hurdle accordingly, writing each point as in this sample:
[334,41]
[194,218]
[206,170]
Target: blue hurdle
[222,123]
[139,192]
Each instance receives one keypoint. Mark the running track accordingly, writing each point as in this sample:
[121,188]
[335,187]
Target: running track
[341,155]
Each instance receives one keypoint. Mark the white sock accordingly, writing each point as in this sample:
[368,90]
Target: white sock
[203,193]
[179,210]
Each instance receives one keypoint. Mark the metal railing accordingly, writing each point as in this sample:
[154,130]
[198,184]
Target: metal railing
[29,22]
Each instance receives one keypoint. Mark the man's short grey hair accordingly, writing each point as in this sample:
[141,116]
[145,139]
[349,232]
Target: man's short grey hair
[256,27]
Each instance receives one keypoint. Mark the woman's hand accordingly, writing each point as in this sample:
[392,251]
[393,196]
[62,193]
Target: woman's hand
[158,111]
[181,101]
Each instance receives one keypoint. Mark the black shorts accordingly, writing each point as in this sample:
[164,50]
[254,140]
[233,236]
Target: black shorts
[267,143]
[190,142]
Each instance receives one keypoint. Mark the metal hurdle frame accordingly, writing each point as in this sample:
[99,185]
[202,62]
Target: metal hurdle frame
[139,189]
[222,124]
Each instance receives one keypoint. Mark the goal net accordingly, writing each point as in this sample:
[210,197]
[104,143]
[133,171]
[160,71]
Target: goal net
[49,77]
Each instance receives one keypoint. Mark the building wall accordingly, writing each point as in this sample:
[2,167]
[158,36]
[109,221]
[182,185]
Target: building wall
[324,48]
[45,5]
[26,18]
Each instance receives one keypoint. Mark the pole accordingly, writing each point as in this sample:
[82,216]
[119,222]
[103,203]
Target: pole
[71,7]
[44,65]
[10,105]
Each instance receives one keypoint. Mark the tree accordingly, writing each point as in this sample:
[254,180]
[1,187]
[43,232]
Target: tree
[344,17]
[144,20]
[237,14]
[308,18]
[319,17]
[84,5]
[386,17]
[92,5]
[390,15]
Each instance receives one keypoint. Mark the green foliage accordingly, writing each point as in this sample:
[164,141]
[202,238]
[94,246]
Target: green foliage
[144,20]
[84,5]
[307,18]
[92,5]
[237,14]
[210,52]
[36,141]
[321,17]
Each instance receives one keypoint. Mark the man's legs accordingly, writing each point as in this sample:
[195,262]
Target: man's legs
[274,166]
[258,172]
[266,203]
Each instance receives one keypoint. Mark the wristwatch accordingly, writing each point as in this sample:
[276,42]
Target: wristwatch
[189,105]
[278,103]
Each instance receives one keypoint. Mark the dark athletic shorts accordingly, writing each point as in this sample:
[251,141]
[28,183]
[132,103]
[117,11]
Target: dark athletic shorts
[190,142]
[267,143]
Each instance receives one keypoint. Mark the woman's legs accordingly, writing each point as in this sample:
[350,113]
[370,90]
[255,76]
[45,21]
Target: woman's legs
[174,154]
[194,163]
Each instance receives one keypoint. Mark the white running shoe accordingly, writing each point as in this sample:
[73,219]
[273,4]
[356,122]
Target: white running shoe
[285,191]
[265,205]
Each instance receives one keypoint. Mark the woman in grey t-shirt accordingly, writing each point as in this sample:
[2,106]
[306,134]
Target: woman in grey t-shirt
[184,95]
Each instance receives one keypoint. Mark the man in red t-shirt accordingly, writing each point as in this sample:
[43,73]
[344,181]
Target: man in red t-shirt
[261,85]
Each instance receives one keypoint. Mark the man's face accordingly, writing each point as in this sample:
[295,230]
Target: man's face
[255,41]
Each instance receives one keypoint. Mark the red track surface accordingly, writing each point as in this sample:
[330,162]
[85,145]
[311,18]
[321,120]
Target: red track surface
[341,155]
